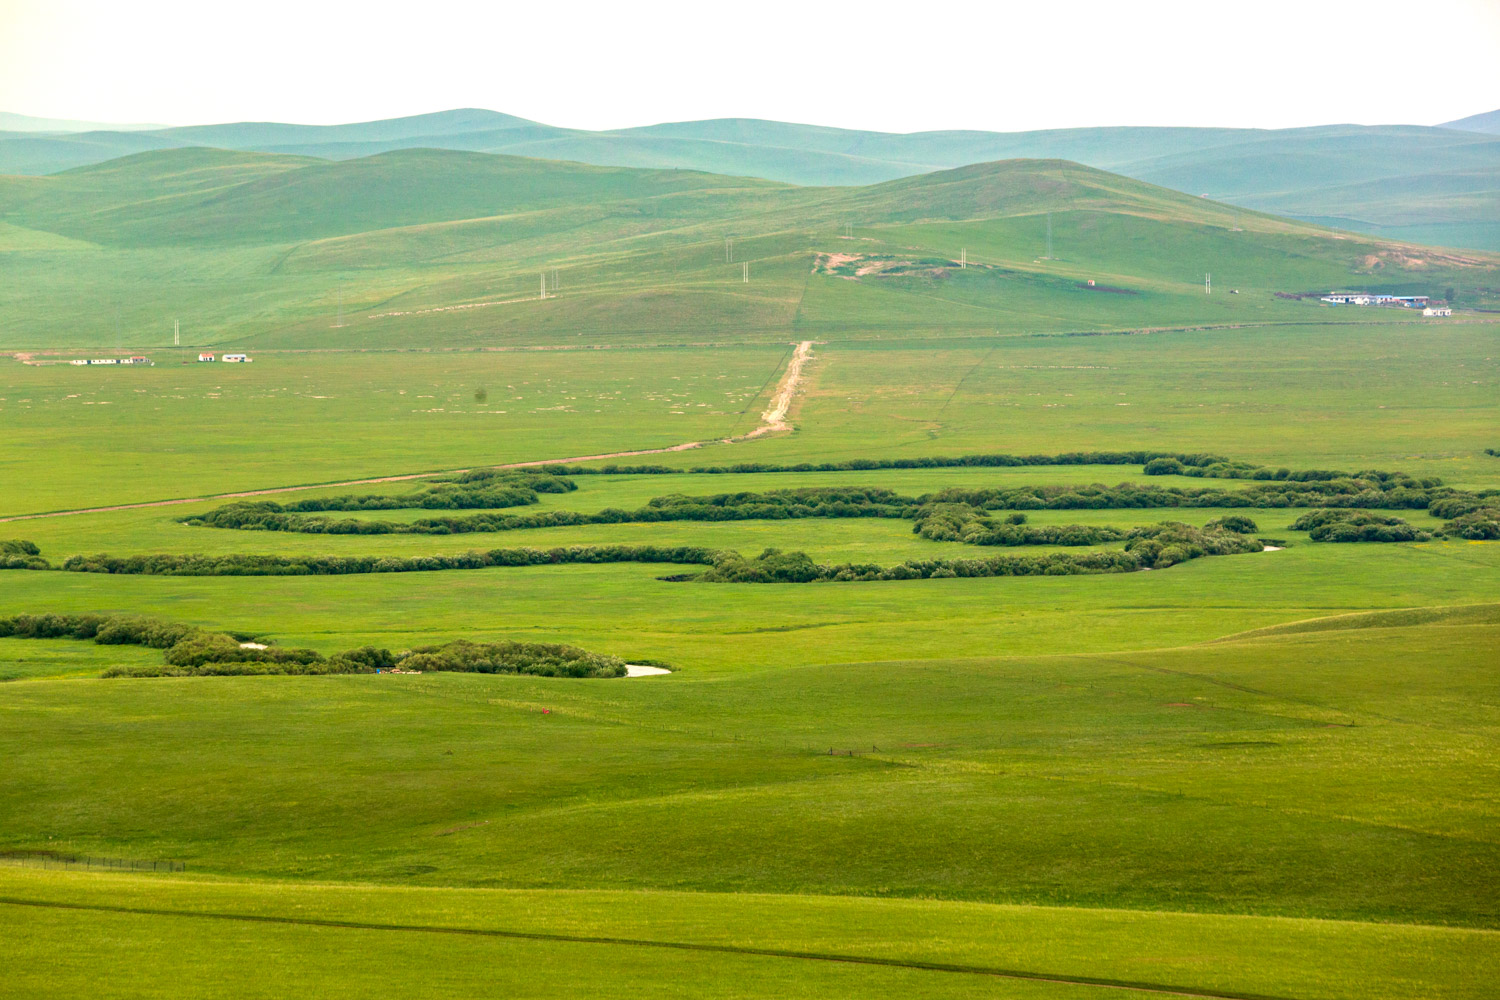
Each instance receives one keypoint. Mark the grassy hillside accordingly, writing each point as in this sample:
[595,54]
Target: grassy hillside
[1292,171]
[432,248]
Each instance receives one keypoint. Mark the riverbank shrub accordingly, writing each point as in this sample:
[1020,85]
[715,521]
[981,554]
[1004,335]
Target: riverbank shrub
[312,565]
[1151,547]
[1357,526]
[1482,524]
[533,658]
[190,651]
[959,522]
[16,553]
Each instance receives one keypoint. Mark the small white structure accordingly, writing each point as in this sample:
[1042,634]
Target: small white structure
[104,361]
[1438,311]
[138,360]
[234,358]
[78,361]
[205,357]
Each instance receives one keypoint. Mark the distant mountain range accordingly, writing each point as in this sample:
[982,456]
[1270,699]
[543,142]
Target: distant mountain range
[1429,184]
[26,123]
[1489,122]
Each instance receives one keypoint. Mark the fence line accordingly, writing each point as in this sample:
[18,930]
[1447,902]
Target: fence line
[62,862]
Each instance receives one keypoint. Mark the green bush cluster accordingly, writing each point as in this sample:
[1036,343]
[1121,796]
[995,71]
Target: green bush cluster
[537,659]
[1222,468]
[961,522]
[1392,492]
[18,554]
[1482,524]
[1344,525]
[189,651]
[266,565]
[1154,547]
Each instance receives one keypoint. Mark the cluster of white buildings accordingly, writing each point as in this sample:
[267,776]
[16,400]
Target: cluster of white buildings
[227,359]
[1373,299]
[136,360]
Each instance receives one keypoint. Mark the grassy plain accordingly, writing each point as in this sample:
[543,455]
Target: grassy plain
[1265,774]
[1310,958]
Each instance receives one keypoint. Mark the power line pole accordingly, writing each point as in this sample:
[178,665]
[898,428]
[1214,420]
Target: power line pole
[746,266]
[543,294]
[176,334]
[1207,284]
[963,259]
[728,250]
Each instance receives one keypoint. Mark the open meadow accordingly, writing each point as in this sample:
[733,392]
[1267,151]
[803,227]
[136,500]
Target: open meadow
[1186,685]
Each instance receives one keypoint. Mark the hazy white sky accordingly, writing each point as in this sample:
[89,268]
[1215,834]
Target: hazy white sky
[894,67]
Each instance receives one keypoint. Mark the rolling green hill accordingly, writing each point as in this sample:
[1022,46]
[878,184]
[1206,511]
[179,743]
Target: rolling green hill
[258,248]
[1391,180]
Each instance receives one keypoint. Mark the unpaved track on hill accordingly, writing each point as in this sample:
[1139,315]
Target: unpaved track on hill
[773,420]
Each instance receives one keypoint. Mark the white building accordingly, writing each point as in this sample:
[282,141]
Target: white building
[235,357]
[205,357]
[1437,311]
[78,362]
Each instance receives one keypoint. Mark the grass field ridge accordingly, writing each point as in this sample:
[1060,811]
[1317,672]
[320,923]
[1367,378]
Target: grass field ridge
[1436,616]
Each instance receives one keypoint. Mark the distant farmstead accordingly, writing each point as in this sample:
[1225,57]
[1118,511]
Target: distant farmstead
[1438,311]
[233,358]
[1371,299]
[205,357]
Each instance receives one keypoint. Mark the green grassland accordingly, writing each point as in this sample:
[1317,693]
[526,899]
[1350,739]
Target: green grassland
[1267,774]
[197,949]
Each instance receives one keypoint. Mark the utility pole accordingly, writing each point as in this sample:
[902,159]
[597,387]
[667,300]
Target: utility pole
[746,266]
[543,295]
[963,259]
[176,334]
[1208,284]
[728,250]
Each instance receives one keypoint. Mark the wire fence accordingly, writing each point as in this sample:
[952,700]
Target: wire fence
[49,859]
